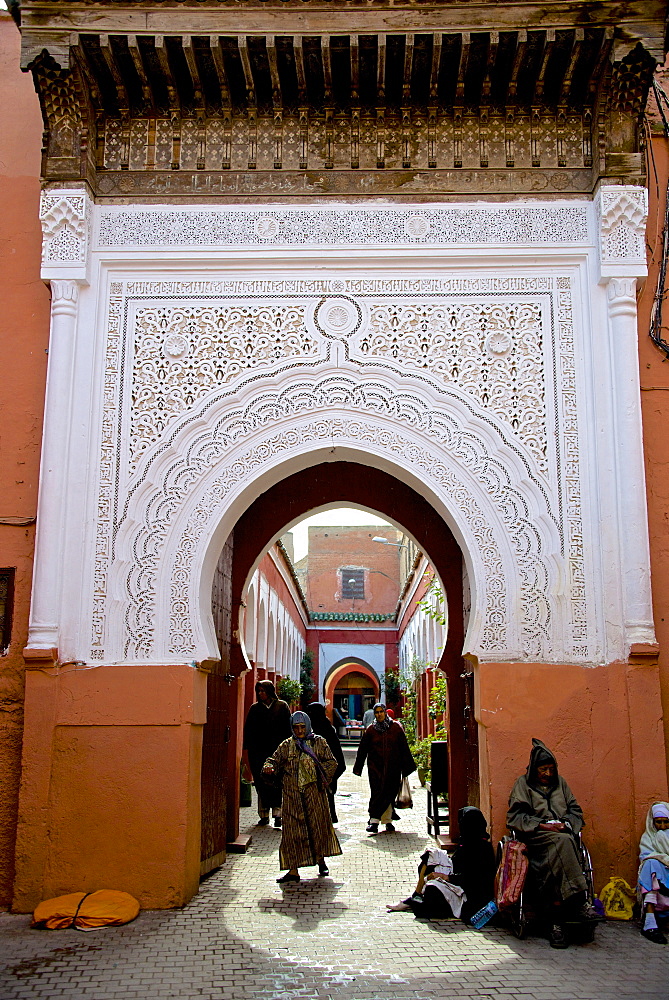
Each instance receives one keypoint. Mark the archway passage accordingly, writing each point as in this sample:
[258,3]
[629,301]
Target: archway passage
[351,688]
[364,486]
[350,679]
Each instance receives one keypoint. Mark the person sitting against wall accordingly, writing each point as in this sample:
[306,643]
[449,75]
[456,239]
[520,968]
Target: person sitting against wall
[544,814]
[457,885]
[653,878]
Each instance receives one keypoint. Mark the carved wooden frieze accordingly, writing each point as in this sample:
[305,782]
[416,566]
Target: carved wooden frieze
[168,103]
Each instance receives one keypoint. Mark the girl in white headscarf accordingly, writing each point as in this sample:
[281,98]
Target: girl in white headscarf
[653,876]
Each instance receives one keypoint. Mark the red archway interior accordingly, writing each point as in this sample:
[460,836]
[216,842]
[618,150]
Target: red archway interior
[291,498]
[341,671]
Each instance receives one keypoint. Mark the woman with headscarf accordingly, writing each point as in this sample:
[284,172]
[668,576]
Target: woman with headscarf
[305,765]
[384,746]
[653,879]
[322,726]
[267,724]
[546,816]
[461,884]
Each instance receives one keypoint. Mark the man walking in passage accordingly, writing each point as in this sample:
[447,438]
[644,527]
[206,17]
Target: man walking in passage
[267,725]
[384,746]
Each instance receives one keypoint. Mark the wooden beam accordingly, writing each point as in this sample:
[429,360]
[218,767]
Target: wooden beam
[355,69]
[136,56]
[108,55]
[490,64]
[219,63]
[408,64]
[602,56]
[88,71]
[579,35]
[436,62]
[541,76]
[198,91]
[170,83]
[462,68]
[381,69]
[299,69]
[521,45]
[248,75]
[327,68]
[274,72]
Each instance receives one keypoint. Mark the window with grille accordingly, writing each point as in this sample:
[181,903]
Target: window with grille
[352,583]
[6,608]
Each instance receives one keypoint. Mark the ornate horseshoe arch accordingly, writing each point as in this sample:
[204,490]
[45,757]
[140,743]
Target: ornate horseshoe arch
[186,499]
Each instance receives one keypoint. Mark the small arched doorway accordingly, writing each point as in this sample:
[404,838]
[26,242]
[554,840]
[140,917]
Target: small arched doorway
[351,687]
[282,504]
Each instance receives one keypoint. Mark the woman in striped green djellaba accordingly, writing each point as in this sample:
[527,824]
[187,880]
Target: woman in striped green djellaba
[305,765]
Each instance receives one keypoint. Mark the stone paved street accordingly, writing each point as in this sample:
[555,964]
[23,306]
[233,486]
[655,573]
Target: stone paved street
[244,937]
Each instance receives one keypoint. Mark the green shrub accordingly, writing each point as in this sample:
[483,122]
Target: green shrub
[306,677]
[421,750]
[289,690]
[393,687]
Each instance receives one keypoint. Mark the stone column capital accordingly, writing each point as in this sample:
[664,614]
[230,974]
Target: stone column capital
[64,296]
[622,211]
[65,214]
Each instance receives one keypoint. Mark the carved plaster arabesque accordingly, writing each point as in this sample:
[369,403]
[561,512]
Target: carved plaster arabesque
[344,226]
[459,284]
[337,431]
[65,218]
[325,400]
[464,284]
[622,212]
[181,352]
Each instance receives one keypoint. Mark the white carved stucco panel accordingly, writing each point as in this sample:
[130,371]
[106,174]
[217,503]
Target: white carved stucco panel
[312,315]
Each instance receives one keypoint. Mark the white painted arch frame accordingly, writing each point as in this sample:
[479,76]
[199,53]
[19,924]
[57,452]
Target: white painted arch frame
[482,493]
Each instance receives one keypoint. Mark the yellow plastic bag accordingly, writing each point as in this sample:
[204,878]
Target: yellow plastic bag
[618,898]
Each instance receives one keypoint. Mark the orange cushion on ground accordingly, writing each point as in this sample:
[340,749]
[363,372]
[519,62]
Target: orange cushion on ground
[104,908]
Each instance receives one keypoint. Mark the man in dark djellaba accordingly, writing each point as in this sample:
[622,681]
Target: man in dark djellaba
[384,746]
[267,725]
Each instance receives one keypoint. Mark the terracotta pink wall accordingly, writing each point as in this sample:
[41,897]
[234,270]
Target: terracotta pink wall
[332,548]
[605,727]
[24,333]
[654,371]
[110,790]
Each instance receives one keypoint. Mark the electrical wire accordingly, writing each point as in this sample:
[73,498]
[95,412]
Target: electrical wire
[655,331]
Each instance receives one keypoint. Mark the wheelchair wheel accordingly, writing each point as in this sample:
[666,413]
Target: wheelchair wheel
[519,922]
[586,866]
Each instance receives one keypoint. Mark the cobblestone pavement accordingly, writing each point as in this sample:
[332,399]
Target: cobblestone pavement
[244,937]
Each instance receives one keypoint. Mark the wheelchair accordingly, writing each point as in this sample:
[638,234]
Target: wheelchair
[527,912]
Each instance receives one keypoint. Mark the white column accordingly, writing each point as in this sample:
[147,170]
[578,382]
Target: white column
[48,566]
[631,478]
[622,211]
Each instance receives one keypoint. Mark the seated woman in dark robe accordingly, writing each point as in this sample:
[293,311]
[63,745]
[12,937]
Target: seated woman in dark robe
[545,815]
[322,726]
[460,885]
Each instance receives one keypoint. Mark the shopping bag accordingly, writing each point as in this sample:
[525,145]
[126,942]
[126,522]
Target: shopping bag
[404,800]
[618,898]
[511,874]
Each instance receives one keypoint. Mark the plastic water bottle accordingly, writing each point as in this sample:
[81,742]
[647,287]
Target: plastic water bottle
[481,918]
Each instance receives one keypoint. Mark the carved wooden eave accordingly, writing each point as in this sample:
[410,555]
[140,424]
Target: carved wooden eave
[233,100]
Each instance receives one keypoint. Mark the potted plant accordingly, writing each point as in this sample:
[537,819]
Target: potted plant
[422,750]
